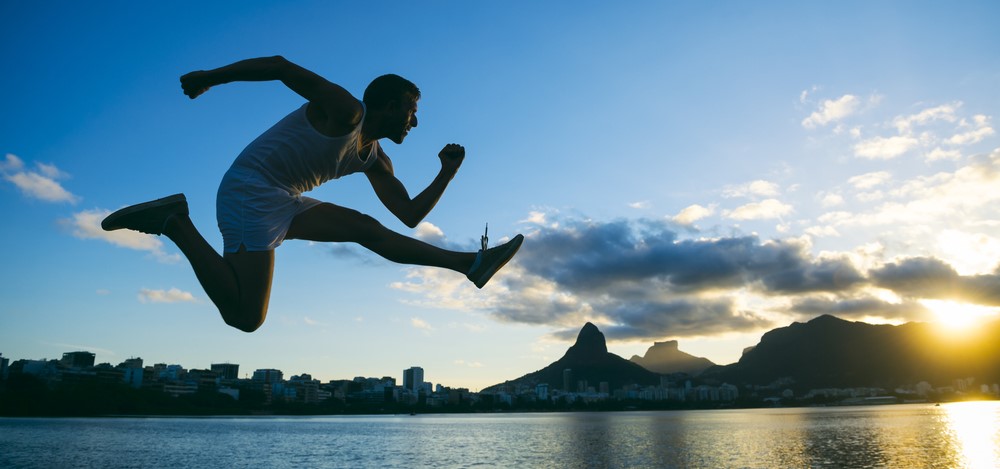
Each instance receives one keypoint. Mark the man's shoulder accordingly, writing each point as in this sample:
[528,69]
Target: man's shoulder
[335,121]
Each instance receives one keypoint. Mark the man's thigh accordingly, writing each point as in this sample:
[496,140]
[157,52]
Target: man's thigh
[254,270]
[328,222]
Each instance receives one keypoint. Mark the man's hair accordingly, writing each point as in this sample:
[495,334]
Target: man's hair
[388,88]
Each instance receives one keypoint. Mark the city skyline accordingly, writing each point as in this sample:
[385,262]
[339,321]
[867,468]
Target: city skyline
[692,172]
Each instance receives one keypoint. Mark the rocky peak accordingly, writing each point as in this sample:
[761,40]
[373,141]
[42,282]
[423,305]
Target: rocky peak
[589,343]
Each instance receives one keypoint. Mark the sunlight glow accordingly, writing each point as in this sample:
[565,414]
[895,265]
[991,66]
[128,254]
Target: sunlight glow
[975,430]
[956,315]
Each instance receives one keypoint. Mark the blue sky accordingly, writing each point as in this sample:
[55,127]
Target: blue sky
[699,171]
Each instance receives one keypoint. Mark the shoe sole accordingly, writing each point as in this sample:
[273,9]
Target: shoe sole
[110,222]
[512,247]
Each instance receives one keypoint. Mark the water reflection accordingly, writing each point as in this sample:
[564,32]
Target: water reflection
[973,430]
[952,435]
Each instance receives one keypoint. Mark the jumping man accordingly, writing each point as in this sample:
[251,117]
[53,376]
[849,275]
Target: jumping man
[260,202]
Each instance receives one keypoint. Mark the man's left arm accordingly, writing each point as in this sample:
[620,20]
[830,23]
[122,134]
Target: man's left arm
[394,196]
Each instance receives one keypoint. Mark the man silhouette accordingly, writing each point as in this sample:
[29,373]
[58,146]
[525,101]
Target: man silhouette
[260,202]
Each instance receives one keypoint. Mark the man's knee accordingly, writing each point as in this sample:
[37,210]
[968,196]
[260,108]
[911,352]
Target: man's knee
[364,227]
[244,319]
[245,323]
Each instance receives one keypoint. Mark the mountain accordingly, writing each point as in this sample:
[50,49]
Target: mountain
[666,358]
[589,360]
[831,352]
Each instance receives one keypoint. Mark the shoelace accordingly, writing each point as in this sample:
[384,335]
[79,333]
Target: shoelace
[486,239]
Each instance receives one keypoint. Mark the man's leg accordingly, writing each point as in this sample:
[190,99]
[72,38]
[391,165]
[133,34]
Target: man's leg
[238,283]
[332,223]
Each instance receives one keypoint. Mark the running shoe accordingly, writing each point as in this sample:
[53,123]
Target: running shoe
[149,217]
[490,260]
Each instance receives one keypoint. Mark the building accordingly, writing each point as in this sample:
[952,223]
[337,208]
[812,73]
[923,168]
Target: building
[4,365]
[267,375]
[542,391]
[132,377]
[413,378]
[78,359]
[227,370]
[172,373]
[306,389]
[131,363]
[567,380]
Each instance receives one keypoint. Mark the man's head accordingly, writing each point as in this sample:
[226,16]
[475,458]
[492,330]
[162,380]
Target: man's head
[393,100]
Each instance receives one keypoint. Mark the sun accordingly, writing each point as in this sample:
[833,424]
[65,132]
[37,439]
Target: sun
[958,316]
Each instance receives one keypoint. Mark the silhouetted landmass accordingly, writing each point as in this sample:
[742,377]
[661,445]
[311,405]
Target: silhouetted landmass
[825,361]
[666,358]
[831,352]
[588,360]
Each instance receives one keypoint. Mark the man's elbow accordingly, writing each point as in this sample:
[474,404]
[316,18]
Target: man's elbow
[277,64]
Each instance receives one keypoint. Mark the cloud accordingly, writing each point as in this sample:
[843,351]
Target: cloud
[418,323]
[832,111]
[640,279]
[763,210]
[89,348]
[924,130]
[981,129]
[869,180]
[953,199]
[828,200]
[642,204]
[904,124]
[87,225]
[429,233]
[39,184]
[312,322]
[885,148]
[693,213]
[11,163]
[472,364]
[676,318]
[859,308]
[535,218]
[822,231]
[942,154]
[173,295]
[755,188]
[932,278]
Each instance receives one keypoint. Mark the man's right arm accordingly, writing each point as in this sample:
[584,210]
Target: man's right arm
[337,104]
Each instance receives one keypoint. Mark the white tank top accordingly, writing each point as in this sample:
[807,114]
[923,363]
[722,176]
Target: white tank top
[296,157]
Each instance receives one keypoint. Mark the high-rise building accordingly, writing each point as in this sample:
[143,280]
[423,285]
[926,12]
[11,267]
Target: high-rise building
[568,380]
[78,359]
[413,378]
[4,362]
[227,370]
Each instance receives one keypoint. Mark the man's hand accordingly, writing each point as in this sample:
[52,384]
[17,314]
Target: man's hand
[195,83]
[452,156]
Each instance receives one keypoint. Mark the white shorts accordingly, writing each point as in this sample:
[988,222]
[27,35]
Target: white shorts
[253,212]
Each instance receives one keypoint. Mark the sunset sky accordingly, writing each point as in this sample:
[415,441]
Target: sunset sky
[698,171]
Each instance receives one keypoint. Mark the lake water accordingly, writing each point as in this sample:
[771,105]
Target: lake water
[898,436]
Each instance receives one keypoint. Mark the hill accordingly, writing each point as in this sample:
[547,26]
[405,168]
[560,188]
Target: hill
[666,358]
[831,352]
[589,360]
